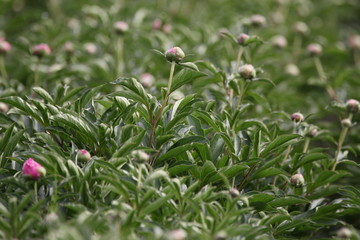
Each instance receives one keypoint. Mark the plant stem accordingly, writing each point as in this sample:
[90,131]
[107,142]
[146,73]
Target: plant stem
[242,93]
[306,144]
[36,191]
[237,64]
[119,56]
[3,69]
[297,47]
[357,59]
[36,73]
[163,105]
[323,78]
[341,140]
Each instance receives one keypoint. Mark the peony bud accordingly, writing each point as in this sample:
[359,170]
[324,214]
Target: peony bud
[346,123]
[247,71]
[141,156]
[297,117]
[353,42]
[167,28]
[147,80]
[301,28]
[344,232]
[41,50]
[234,193]
[352,105]
[33,169]
[279,41]
[297,180]
[178,234]
[69,48]
[314,49]
[292,69]
[5,47]
[121,27]
[83,155]
[156,24]
[3,107]
[313,131]
[221,235]
[174,54]
[257,20]
[242,39]
[90,48]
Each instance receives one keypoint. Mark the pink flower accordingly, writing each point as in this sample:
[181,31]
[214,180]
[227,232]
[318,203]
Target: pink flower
[5,46]
[174,54]
[33,169]
[156,24]
[41,50]
[147,80]
[83,155]
[121,27]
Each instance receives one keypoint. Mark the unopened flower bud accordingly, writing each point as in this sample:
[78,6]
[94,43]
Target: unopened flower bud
[3,107]
[279,41]
[33,169]
[242,39]
[83,155]
[221,235]
[247,71]
[301,28]
[156,24]
[121,27]
[41,50]
[353,42]
[352,105]
[234,193]
[141,156]
[5,47]
[297,117]
[174,54]
[344,232]
[314,49]
[313,131]
[177,95]
[178,234]
[346,123]
[147,80]
[258,20]
[292,69]
[69,48]
[297,180]
[90,48]
[167,28]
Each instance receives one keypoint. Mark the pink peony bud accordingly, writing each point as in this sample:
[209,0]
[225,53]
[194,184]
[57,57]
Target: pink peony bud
[258,20]
[83,155]
[344,232]
[292,69]
[346,123]
[301,28]
[314,49]
[247,71]
[234,193]
[313,131]
[297,117]
[147,80]
[167,28]
[297,180]
[279,41]
[141,156]
[353,42]
[3,107]
[33,169]
[5,47]
[69,48]
[178,234]
[41,50]
[242,39]
[156,24]
[174,54]
[121,27]
[352,105]
[90,48]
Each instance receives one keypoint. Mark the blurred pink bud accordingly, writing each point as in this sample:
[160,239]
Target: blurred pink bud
[41,50]
[147,80]
[314,49]
[90,48]
[174,54]
[344,232]
[83,155]
[257,20]
[5,47]
[279,41]
[178,234]
[247,71]
[69,48]
[167,28]
[3,107]
[353,42]
[33,169]
[297,180]
[242,38]
[121,27]
[352,105]
[297,117]
[292,69]
[346,123]
[156,24]
[301,28]
[234,193]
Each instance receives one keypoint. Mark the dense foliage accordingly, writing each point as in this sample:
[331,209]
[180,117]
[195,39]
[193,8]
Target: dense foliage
[246,130]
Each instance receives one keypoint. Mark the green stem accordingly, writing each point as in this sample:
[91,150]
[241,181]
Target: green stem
[297,47]
[36,191]
[238,58]
[3,69]
[323,78]
[139,176]
[357,59]
[306,145]
[242,93]
[119,56]
[163,105]
[36,73]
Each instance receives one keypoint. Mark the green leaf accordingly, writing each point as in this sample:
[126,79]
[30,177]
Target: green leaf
[288,200]
[173,153]
[281,141]
[129,145]
[44,94]
[311,157]
[189,65]
[155,205]
[183,77]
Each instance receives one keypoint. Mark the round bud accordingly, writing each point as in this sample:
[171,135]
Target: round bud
[175,54]
[167,28]
[5,47]
[258,20]
[141,156]
[247,71]
[121,27]
[300,28]
[352,105]
[33,169]
[221,235]
[344,232]
[41,50]
[292,69]
[3,107]
[178,234]
[51,218]
[90,48]
[297,180]
[147,80]
[279,41]
[242,39]
[177,95]
[346,123]
[83,155]
[156,24]
[353,42]
[68,48]
[313,131]
[314,49]
[234,193]
[297,117]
